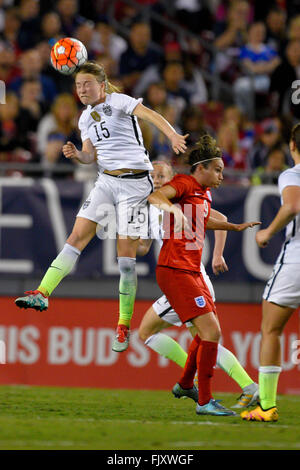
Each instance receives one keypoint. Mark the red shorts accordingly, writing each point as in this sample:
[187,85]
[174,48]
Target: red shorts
[186,292]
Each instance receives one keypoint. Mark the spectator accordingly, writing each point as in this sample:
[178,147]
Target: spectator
[51,27]
[246,131]
[61,118]
[14,144]
[30,24]
[269,135]
[63,83]
[294,28]
[31,66]
[282,78]
[228,141]
[8,70]
[258,62]
[233,31]
[275,164]
[172,53]
[194,83]
[70,19]
[276,29]
[85,33]
[56,129]
[10,34]
[193,123]
[156,96]
[111,68]
[156,142]
[31,108]
[230,37]
[107,42]
[177,95]
[138,56]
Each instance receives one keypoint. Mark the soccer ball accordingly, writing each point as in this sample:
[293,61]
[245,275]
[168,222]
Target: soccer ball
[68,54]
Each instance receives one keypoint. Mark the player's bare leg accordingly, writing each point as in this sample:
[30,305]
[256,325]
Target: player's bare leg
[274,320]
[126,250]
[83,231]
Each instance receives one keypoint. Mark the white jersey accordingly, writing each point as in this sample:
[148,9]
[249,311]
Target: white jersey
[115,133]
[290,252]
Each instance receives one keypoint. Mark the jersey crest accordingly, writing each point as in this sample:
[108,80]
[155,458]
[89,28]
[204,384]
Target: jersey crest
[96,116]
[107,109]
[200,301]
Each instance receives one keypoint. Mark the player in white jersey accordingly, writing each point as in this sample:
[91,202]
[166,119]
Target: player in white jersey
[281,296]
[161,315]
[111,136]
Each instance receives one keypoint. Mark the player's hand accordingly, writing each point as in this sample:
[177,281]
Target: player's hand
[219,265]
[69,150]
[245,225]
[262,238]
[180,221]
[178,143]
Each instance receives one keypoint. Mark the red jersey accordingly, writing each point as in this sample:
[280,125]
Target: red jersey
[183,250]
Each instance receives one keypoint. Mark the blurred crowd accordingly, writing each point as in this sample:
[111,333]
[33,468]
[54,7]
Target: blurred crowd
[247,50]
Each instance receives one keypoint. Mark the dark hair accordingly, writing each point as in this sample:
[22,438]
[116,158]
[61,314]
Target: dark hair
[205,149]
[295,136]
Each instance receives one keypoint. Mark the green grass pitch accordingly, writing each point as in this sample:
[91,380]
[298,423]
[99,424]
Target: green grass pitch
[49,418]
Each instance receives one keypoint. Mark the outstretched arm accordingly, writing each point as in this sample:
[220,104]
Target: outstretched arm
[218,262]
[177,141]
[289,209]
[214,224]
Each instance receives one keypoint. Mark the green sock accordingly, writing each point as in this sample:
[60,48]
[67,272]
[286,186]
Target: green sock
[229,363]
[127,289]
[268,381]
[167,347]
[60,267]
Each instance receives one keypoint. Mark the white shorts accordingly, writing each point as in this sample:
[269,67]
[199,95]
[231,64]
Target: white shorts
[164,310]
[283,287]
[119,205]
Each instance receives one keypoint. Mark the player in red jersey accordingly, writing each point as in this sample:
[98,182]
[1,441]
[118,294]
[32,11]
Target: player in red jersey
[187,199]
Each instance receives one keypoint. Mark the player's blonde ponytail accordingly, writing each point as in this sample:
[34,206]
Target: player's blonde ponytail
[98,71]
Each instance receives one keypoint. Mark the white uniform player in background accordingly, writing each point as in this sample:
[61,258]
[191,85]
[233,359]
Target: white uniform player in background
[161,315]
[281,296]
[111,136]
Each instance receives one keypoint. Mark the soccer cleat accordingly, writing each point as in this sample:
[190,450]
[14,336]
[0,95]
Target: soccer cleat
[249,397]
[33,299]
[121,341]
[258,414]
[214,408]
[180,392]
